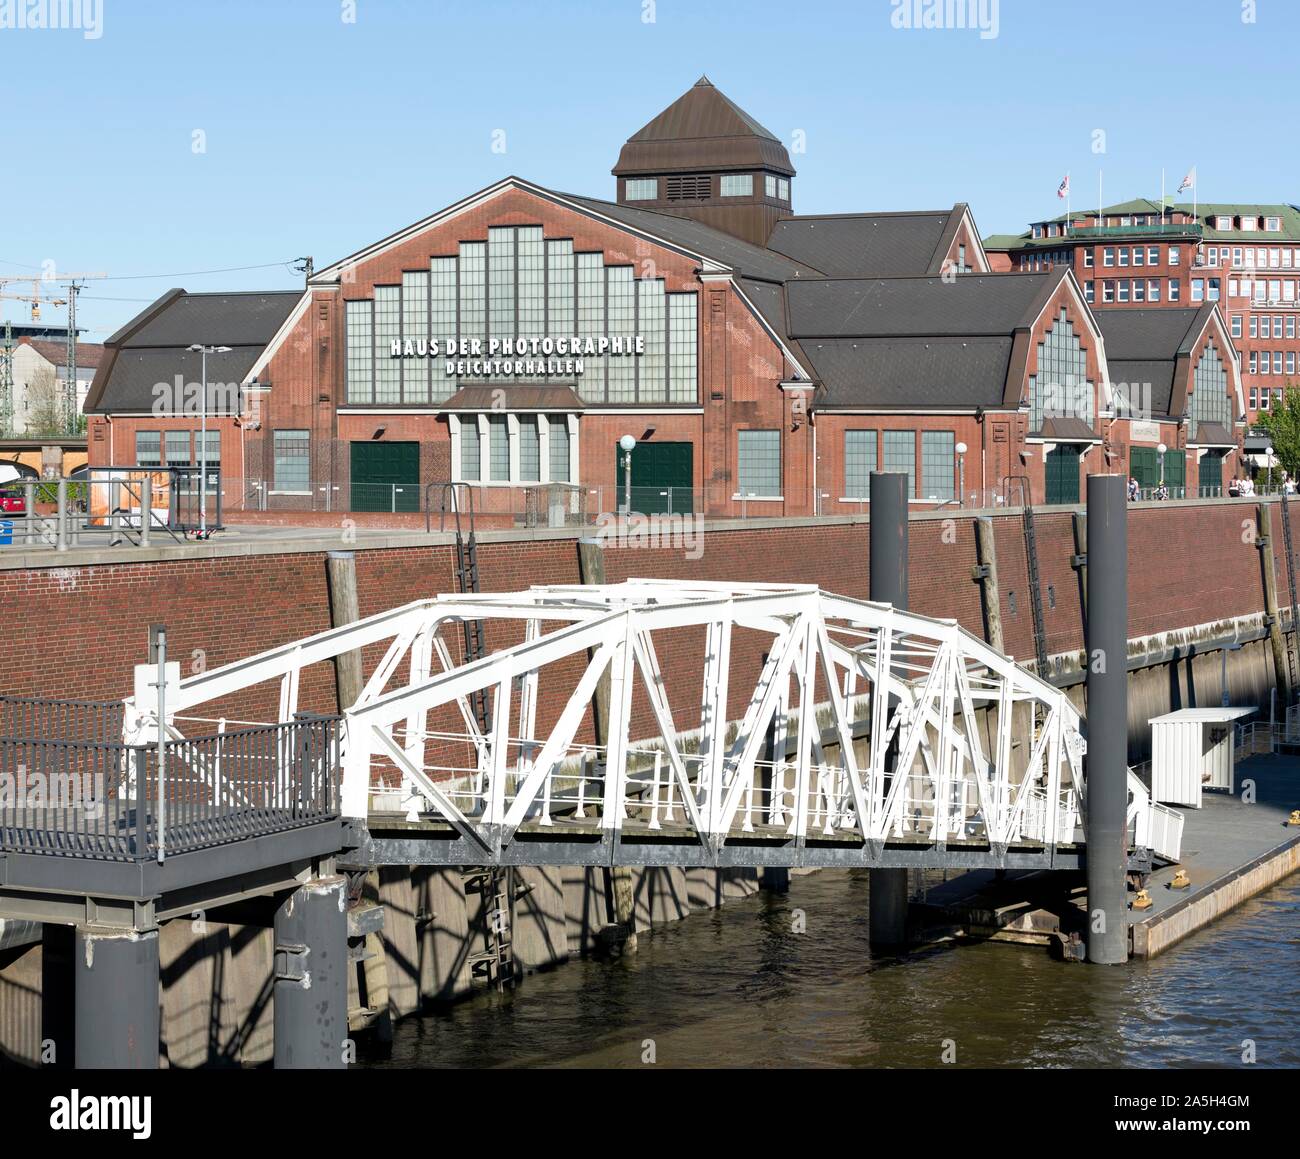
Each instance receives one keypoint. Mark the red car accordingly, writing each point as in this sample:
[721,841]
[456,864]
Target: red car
[12,502]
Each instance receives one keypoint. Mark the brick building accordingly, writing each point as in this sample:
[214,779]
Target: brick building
[1244,258]
[765,362]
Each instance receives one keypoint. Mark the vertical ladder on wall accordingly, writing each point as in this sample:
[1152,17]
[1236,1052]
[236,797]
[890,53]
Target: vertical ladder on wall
[467,582]
[1031,566]
[494,965]
[1291,659]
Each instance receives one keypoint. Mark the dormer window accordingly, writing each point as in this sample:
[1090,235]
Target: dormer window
[737,185]
[1249,222]
[1222,222]
[1273,224]
[641,188]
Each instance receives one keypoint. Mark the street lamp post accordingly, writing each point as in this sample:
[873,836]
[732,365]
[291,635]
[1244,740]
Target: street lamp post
[626,443]
[204,351]
[960,448]
[1160,450]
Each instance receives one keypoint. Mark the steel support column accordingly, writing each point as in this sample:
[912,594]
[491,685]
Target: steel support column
[311,981]
[887,899]
[1107,757]
[116,999]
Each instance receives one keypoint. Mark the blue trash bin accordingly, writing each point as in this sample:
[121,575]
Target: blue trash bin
[6,532]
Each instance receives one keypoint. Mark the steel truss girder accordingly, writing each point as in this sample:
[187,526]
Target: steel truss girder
[949,705]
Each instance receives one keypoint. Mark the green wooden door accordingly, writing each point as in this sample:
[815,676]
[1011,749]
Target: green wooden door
[1210,474]
[662,475]
[1063,474]
[385,476]
[1144,466]
[1176,473]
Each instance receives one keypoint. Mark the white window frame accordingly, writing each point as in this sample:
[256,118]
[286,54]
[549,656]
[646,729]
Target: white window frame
[544,421]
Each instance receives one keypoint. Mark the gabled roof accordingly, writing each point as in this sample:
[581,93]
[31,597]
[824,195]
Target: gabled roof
[88,353]
[153,347]
[869,245]
[1144,346]
[702,130]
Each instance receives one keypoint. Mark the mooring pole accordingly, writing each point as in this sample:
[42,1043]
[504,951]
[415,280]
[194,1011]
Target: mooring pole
[1107,687]
[888,584]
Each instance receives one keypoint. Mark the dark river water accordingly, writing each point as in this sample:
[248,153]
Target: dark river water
[739,987]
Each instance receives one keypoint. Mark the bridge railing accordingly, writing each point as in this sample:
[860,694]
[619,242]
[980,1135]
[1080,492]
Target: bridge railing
[108,800]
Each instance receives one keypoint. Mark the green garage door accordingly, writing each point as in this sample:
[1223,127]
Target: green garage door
[385,476]
[1063,473]
[661,478]
[1144,466]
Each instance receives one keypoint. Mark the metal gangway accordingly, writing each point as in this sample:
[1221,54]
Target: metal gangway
[622,732]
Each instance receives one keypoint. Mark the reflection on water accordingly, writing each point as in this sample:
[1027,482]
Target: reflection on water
[738,987]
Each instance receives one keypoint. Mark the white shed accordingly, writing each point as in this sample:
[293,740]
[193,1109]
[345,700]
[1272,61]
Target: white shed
[1192,750]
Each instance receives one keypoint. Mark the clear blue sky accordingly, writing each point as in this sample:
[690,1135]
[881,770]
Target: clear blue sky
[323,135]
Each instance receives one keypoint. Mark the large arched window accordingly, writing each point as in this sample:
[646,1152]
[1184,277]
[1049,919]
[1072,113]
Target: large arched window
[1209,399]
[1061,388]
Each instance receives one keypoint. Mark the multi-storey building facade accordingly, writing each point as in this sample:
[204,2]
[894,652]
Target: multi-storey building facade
[1244,258]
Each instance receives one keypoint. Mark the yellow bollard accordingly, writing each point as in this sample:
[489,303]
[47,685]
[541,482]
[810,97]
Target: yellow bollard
[1181,880]
[1294,819]
[1143,900]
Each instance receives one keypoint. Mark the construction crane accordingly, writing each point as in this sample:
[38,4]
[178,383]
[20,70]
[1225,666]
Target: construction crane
[35,301]
[72,283]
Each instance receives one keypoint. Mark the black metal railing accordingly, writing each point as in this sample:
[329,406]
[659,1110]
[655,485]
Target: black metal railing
[107,800]
[43,718]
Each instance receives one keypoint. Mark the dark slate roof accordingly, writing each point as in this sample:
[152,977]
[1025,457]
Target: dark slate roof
[151,348]
[750,260]
[1142,346]
[1068,429]
[1212,435]
[969,305]
[702,130]
[910,373]
[867,245]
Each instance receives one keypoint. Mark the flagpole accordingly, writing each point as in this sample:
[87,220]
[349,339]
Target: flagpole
[1101,202]
[1067,205]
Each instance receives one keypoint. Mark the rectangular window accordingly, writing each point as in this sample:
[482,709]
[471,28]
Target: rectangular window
[1139,290]
[212,460]
[937,464]
[415,326]
[1175,254]
[769,185]
[759,463]
[1175,289]
[652,323]
[1277,325]
[1290,325]
[530,449]
[1139,256]
[1108,291]
[1236,325]
[148,449]
[737,184]
[641,188]
[469,449]
[783,188]
[900,456]
[1263,362]
[177,445]
[859,462]
[558,435]
[1153,255]
[1123,290]
[1123,255]
[1087,258]
[388,327]
[1198,289]
[1252,364]
[622,320]
[1254,398]
[1274,258]
[1273,224]
[1153,290]
[1277,362]
[1089,292]
[1290,362]
[683,383]
[1254,326]
[1214,290]
[1236,256]
[498,449]
[358,318]
[591,322]
[442,321]
[292,461]
[530,283]
[1108,256]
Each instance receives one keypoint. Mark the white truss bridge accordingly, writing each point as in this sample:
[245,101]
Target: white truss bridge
[871,736]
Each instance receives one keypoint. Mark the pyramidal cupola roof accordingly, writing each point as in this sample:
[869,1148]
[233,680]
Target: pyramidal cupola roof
[702,131]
